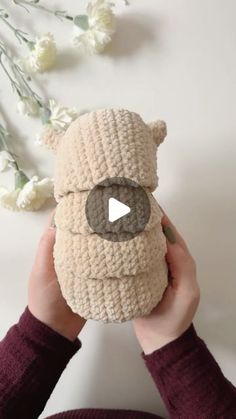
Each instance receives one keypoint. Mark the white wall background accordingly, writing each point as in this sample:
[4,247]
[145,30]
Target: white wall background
[174,60]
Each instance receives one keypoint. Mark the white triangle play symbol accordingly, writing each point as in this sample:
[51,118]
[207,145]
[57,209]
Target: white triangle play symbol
[116,209]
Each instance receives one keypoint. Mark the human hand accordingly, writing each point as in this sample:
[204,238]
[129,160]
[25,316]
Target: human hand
[175,312]
[45,300]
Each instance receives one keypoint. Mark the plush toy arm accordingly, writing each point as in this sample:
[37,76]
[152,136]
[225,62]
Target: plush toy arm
[51,138]
[159,131]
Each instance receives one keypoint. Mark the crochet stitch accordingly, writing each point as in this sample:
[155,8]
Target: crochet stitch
[111,281]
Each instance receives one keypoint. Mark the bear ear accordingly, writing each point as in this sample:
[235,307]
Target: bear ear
[51,138]
[159,131]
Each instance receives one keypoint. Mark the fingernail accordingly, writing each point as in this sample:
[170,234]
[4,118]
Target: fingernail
[167,230]
[53,225]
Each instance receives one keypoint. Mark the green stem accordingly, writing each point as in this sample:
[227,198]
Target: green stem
[3,135]
[60,14]
[17,32]
[14,84]
[19,84]
[21,80]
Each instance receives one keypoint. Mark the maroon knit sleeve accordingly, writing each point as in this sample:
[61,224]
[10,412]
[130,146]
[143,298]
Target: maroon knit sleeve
[190,381]
[32,358]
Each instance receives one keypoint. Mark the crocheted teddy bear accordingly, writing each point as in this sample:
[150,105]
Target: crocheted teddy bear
[111,281]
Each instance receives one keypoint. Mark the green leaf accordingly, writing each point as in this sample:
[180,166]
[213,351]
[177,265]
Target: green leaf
[82,21]
[45,114]
[20,179]
[30,44]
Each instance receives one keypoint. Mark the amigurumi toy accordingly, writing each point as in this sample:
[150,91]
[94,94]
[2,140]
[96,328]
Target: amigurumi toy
[100,279]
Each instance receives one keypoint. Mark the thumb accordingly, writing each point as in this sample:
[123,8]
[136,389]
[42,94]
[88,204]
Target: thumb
[44,253]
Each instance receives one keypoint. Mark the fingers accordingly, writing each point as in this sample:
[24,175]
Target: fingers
[171,232]
[50,222]
[46,243]
[181,266]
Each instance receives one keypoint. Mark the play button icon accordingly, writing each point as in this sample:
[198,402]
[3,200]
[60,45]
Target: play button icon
[117,209]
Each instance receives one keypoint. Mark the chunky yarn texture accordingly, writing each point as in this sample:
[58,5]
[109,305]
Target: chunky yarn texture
[100,279]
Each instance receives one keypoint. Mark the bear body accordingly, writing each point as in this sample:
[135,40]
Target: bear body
[110,281]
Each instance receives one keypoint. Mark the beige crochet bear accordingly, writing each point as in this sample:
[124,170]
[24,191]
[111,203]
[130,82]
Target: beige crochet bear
[111,281]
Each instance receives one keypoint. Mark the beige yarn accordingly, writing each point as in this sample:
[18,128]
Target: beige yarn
[70,214]
[101,279]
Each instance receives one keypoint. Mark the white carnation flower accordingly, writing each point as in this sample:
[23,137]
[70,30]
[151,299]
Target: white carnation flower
[61,116]
[6,160]
[101,27]
[27,106]
[8,198]
[30,197]
[34,193]
[42,56]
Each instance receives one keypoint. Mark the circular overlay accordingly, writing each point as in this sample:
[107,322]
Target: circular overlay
[109,200]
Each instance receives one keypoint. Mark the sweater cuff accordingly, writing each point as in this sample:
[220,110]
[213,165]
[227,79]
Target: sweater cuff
[172,351]
[41,335]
